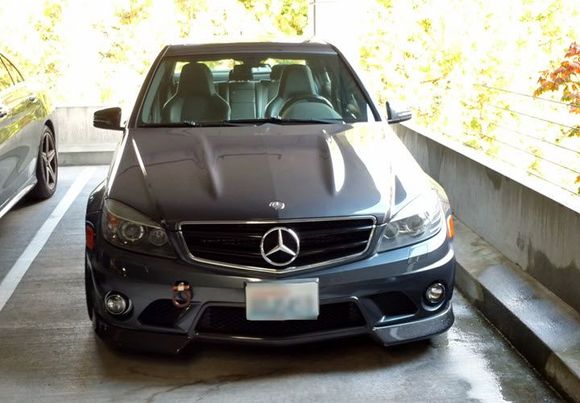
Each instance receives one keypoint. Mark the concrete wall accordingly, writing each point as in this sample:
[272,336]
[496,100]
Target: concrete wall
[79,143]
[75,127]
[509,210]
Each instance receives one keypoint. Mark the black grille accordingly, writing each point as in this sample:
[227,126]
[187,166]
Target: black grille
[394,304]
[232,321]
[161,313]
[239,244]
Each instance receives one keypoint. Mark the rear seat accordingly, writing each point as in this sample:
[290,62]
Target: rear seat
[242,97]
[247,97]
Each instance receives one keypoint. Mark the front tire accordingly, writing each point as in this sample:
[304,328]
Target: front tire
[46,167]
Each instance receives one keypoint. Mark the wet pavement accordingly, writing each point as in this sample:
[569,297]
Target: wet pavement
[48,351]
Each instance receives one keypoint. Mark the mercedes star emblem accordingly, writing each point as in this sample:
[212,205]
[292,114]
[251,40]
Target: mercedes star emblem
[280,246]
[277,205]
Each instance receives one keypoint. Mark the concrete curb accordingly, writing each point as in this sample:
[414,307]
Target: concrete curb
[539,325]
[98,154]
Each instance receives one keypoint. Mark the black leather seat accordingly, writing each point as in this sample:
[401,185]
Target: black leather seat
[242,98]
[240,92]
[271,85]
[296,81]
[276,72]
[196,99]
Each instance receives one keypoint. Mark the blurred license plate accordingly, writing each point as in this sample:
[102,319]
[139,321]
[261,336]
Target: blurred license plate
[291,300]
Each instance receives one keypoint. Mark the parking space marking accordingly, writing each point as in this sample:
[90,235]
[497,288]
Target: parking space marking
[20,267]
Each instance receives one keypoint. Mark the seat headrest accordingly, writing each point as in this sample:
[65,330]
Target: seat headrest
[196,79]
[277,70]
[296,80]
[241,72]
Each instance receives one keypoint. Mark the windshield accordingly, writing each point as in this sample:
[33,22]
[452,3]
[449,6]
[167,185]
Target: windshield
[251,89]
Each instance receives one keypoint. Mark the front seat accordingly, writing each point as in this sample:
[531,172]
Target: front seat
[296,81]
[195,99]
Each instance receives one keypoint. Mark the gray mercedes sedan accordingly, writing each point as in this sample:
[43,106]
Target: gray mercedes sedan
[258,196]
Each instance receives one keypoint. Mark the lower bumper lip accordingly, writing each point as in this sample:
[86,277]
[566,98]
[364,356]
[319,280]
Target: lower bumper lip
[174,343]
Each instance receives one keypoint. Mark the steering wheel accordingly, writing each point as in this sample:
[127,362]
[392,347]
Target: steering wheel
[304,98]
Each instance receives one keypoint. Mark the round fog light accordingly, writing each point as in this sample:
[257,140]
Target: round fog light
[435,293]
[116,304]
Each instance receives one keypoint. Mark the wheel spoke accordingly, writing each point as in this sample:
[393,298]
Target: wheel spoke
[50,156]
[52,175]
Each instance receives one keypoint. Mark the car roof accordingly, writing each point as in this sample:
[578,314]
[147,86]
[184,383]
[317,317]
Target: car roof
[250,47]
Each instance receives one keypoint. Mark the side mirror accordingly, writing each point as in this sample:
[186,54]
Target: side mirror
[109,119]
[394,116]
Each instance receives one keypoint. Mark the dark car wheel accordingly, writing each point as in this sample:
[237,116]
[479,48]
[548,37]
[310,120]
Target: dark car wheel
[89,293]
[46,167]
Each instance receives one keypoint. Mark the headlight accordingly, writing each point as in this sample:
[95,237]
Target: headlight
[127,228]
[417,221]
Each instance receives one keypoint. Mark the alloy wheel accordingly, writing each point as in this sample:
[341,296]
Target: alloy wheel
[48,157]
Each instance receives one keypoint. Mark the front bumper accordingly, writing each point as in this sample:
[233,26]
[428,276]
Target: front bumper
[381,296]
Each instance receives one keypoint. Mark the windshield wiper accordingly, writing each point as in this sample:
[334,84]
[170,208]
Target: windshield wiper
[284,121]
[217,123]
[193,123]
[244,122]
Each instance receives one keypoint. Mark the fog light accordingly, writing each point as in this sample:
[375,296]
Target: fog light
[116,304]
[435,293]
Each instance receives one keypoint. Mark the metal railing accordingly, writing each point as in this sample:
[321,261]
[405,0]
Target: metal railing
[535,133]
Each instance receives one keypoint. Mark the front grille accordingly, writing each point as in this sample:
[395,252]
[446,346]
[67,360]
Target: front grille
[225,320]
[238,244]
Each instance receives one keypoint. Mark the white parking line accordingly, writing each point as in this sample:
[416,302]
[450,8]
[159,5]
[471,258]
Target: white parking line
[20,267]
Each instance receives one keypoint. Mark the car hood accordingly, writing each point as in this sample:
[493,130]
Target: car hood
[235,173]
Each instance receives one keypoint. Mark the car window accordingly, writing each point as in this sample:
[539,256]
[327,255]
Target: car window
[13,71]
[213,88]
[5,80]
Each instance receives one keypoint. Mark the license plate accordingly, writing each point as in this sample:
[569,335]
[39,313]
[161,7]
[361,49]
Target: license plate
[282,300]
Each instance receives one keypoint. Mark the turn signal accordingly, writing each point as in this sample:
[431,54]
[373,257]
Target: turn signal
[450,227]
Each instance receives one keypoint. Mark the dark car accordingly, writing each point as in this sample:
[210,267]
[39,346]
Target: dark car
[257,196]
[28,157]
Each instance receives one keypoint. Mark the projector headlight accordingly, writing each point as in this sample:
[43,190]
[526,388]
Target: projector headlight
[127,228]
[419,220]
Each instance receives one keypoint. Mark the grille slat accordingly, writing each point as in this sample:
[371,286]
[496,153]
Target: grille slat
[238,244]
[221,234]
[337,231]
[348,246]
[225,320]
[244,254]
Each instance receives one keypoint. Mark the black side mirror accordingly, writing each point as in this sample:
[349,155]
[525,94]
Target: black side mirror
[109,119]
[394,116]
